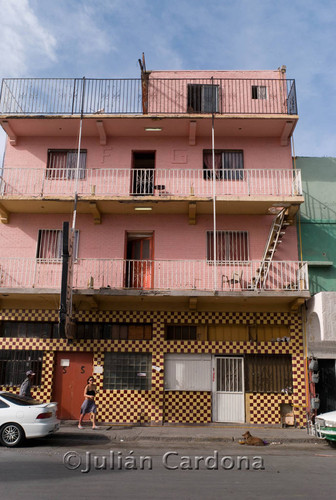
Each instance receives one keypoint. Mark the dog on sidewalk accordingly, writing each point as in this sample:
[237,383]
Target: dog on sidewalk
[251,440]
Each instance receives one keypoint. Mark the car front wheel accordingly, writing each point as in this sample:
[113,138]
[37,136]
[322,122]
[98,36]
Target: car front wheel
[11,435]
[331,443]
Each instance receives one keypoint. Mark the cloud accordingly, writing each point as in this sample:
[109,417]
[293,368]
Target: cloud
[105,39]
[24,40]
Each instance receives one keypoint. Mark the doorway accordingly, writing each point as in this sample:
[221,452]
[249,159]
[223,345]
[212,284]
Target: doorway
[143,174]
[72,369]
[139,260]
[228,389]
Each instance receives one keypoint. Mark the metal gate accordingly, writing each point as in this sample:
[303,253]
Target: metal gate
[228,389]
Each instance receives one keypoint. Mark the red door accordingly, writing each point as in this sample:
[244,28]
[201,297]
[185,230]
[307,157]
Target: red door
[72,369]
[142,277]
[139,267]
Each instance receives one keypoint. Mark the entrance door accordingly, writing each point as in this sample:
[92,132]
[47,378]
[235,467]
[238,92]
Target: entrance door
[228,389]
[72,369]
[139,272]
[143,174]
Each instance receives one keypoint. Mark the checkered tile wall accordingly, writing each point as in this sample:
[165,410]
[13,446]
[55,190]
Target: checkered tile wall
[155,405]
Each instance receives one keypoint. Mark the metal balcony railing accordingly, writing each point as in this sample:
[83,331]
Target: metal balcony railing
[169,275]
[114,182]
[67,96]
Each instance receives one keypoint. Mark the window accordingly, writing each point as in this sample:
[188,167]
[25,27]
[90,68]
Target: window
[202,98]
[267,333]
[229,164]
[187,372]
[268,373]
[15,364]
[127,370]
[49,244]
[114,331]
[230,246]
[62,164]
[181,332]
[20,400]
[27,329]
[228,333]
[259,92]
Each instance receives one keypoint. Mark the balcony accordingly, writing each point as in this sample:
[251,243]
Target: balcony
[172,277]
[131,107]
[113,189]
[66,96]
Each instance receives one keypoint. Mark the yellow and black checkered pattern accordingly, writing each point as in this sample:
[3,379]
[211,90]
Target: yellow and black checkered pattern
[156,404]
[187,406]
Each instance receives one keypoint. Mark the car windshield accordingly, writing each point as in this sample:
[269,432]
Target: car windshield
[19,400]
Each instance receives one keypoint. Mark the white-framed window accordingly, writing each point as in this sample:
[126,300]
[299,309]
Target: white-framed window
[188,372]
[202,98]
[62,164]
[229,164]
[49,244]
[259,92]
[230,246]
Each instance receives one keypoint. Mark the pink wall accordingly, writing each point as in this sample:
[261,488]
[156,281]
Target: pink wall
[259,152]
[216,74]
[168,91]
[174,238]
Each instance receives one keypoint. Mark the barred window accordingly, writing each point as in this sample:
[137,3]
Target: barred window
[29,329]
[268,373]
[15,364]
[62,164]
[114,331]
[229,164]
[230,246]
[49,244]
[127,370]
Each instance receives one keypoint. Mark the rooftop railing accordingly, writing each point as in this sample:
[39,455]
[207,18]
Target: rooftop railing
[66,96]
[114,182]
[165,275]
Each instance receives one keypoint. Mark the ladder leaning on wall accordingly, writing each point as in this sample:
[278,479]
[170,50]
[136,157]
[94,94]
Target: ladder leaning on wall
[277,230]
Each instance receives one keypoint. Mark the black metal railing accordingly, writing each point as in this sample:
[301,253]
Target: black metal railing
[52,96]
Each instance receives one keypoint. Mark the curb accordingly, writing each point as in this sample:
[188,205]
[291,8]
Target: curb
[105,433]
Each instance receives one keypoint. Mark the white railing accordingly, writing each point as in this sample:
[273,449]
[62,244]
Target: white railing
[41,182]
[20,272]
[171,275]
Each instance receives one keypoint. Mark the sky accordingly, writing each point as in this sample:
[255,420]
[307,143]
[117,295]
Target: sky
[105,39]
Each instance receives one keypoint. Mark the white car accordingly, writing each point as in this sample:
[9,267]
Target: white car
[325,426]
[22,417]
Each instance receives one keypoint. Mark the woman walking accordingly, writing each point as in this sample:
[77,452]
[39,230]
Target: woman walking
[89,406]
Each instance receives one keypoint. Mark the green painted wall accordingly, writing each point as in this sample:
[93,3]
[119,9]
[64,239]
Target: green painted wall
[317,220]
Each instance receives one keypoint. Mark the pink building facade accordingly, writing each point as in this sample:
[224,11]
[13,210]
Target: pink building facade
[185,278]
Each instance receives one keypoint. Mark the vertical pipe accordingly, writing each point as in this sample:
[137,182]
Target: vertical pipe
[214,187]
[78,159]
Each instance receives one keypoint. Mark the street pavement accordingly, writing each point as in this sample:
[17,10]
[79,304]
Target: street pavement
[180,463]
[187,433]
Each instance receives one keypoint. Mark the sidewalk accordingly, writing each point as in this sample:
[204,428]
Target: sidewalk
[190,433]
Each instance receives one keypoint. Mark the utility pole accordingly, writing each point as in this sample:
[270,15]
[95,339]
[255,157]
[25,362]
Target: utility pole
[64,284]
